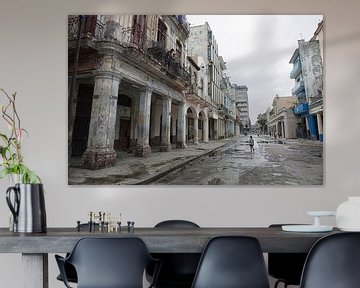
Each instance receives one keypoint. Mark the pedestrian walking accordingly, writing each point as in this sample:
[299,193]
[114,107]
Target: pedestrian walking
[251,144]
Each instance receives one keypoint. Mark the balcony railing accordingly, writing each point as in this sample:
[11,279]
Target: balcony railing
[301,108]
[299,87]
[132,38]
[183,22]
[92,27]
[223,110]
[296,70]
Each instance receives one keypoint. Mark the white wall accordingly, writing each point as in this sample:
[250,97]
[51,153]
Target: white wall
[33,62]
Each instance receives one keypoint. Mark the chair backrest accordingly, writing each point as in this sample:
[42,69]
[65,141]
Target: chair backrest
[178,269]
[333,262]
[110,262]
[286,267]
[176,224]
[232,262]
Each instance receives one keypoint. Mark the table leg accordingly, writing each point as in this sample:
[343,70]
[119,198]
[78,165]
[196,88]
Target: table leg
[35,270]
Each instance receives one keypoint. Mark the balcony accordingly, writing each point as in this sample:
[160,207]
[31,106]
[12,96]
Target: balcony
[296,70]
[183,23]
[132,38]
[299,87]
[223,110]
[301,108]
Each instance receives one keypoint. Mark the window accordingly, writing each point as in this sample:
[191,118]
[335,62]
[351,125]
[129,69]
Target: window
[209,53]
[138,29]
[210,36]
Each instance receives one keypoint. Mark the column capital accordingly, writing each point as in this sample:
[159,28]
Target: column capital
[147,89]
[108,75]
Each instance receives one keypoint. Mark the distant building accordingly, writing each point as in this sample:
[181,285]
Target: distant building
[281,120]
[202,43]
[242,103]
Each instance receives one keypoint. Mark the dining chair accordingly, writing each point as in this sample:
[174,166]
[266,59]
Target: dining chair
[285,267]
[231,262]
[333,262]
[108,263]
[69,269]
[178,269]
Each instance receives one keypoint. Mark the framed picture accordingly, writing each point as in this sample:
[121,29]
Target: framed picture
[195,99]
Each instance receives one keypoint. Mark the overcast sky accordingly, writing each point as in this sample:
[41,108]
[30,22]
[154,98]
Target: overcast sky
[257,50]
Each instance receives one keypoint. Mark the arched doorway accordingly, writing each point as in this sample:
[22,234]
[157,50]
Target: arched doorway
[201,126]
[190,116]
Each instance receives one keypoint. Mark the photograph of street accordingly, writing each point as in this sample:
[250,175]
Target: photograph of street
[195,100]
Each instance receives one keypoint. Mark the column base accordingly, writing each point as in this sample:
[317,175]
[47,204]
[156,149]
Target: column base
[98,159]
[132,145]
[142,151]
[181,145]
[165,147]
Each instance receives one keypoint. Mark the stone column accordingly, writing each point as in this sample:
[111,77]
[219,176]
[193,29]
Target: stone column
[142,143]
[206,130]
[134,123]
[153,122]
[312,127]
[181,143]
[196,130]
[165,144]
[307,127]
[100,151]
[320,127]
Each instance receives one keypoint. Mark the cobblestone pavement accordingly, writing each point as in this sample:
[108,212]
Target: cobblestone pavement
[274,162]
[223,162]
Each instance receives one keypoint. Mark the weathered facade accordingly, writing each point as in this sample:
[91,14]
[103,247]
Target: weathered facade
[281,121]
[127,82]
[197,102]
[242,103]
[202,43]
[316,107]
[139,83]
[308,75]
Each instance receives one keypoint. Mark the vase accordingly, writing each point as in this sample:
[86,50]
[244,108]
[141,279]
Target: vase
[27,205]
[348,214]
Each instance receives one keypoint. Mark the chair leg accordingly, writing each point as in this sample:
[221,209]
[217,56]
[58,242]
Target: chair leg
[279,281]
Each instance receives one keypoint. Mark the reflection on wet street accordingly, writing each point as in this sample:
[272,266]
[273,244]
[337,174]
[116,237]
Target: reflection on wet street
[274,162]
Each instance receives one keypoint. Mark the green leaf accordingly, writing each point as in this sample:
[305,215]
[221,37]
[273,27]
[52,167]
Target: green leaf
[4,137]
[4,173]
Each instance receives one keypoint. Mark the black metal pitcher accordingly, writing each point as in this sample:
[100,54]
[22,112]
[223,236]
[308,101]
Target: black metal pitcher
[28,208]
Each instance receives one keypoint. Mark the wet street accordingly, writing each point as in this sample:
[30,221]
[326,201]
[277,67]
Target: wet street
[288,162]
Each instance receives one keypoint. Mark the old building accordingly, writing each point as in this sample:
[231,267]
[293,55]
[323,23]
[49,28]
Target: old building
[281,121]
[242,103]
[308,75]
[202,43]
[197,102]
[231,126]
[316,107]
[127,84]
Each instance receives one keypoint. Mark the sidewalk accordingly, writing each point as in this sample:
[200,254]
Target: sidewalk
[137,170]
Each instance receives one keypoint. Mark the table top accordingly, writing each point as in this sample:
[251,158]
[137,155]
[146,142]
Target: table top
[159,240]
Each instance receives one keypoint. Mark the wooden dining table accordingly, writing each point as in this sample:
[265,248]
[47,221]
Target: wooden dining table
[35,247]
